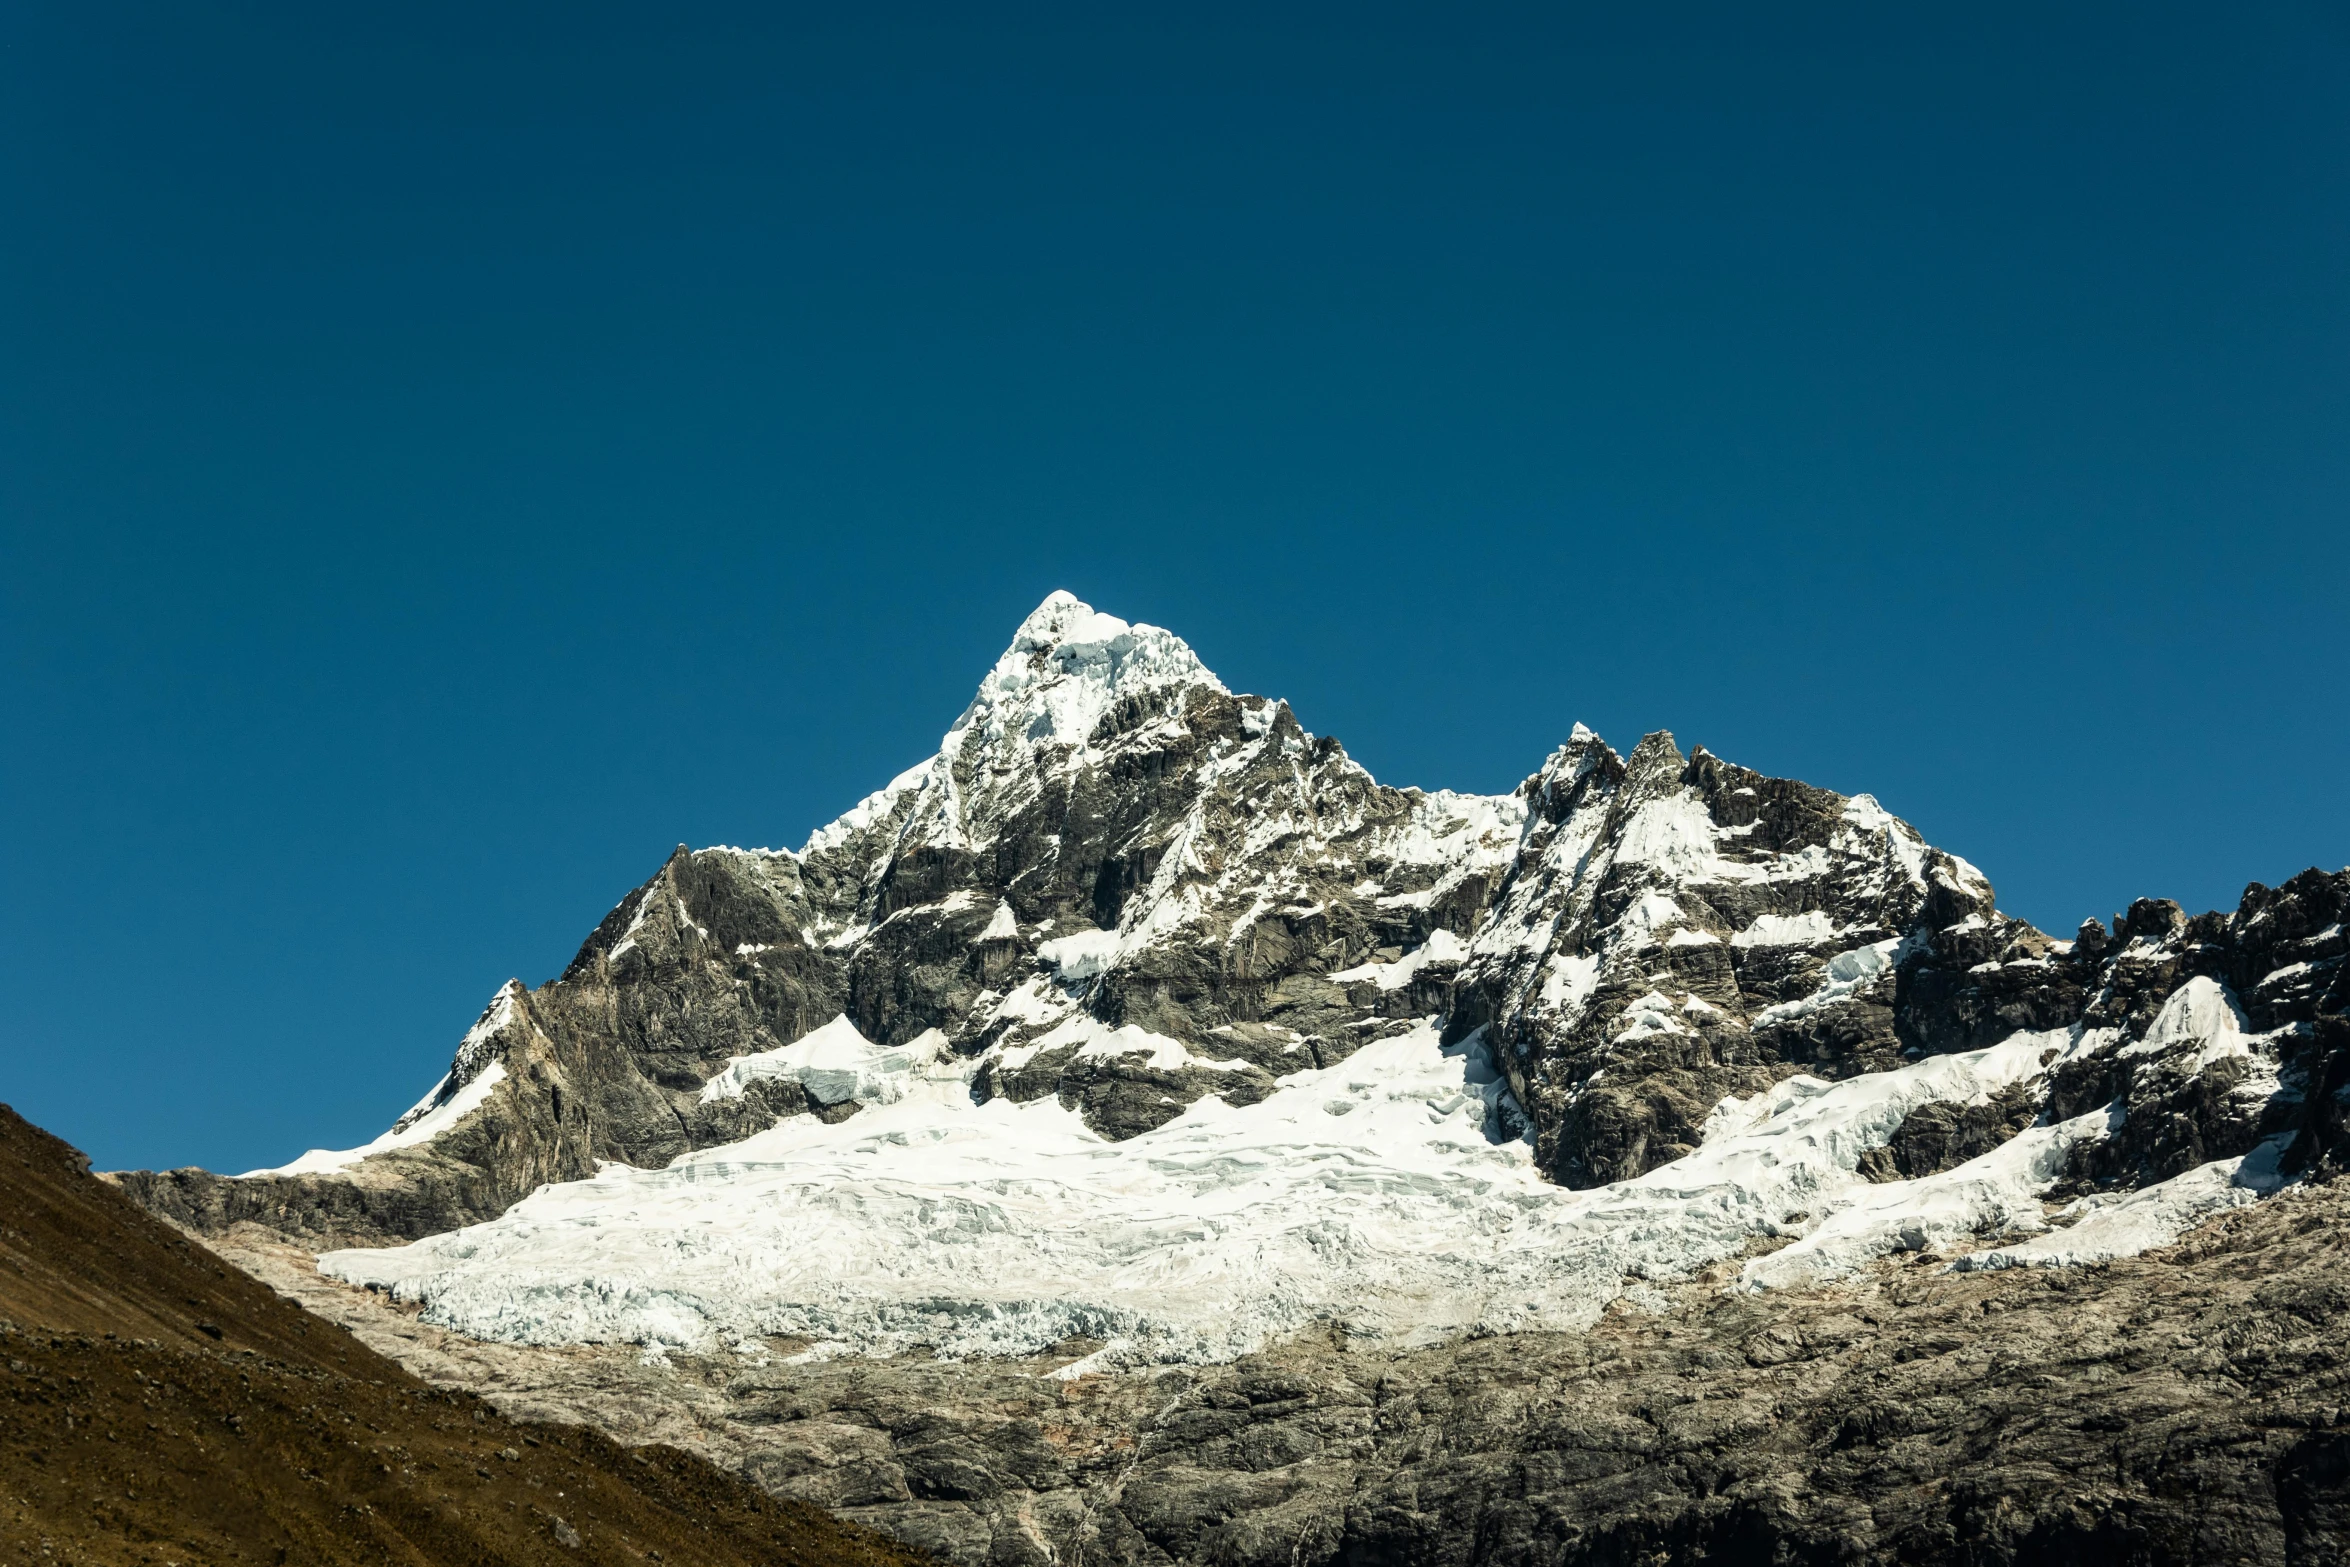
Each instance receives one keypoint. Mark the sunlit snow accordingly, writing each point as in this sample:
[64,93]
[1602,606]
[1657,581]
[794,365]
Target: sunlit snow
[1392,1194]
[1387,1194]
[419,1126]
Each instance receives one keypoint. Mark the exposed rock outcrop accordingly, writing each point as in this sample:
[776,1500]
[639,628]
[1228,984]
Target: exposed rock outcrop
[1121,885]
[1122,888]
[2182,1407]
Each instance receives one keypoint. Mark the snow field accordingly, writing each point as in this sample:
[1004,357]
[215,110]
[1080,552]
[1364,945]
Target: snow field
[1385,1194]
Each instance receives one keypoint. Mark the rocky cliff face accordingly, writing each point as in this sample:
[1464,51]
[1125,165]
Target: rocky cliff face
[1108,840]
[1677,930]
[1125,897]
[1106,836]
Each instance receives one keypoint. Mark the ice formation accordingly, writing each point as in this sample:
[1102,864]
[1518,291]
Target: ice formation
[1146,996]
[1389,1194]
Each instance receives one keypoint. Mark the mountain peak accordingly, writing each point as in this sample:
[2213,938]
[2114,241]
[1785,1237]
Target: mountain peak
[1067,665]
[1063,617]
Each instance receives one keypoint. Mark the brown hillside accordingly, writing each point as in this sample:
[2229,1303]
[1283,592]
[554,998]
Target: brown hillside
[158,1405]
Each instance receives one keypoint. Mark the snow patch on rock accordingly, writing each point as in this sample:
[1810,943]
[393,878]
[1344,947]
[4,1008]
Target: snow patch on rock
[834,1064]
[1442,946]
[429,1118]
[2124,1224]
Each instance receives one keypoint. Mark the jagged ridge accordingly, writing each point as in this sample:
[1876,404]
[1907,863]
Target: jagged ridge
[1122,887]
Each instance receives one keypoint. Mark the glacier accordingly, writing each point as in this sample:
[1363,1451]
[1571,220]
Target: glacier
[1393,1196]
[1141,1016]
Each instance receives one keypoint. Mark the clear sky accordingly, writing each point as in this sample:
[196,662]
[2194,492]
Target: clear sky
[451,454]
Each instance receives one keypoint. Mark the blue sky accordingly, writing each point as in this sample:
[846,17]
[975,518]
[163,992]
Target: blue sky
[452,454]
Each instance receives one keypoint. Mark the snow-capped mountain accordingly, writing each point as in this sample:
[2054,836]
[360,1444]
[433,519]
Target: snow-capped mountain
[1138,1012]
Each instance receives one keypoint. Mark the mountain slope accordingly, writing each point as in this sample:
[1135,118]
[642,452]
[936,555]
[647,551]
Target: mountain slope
[1103,816]
[1123,888]
[161,1405]
[2182,1406]
[999,1164]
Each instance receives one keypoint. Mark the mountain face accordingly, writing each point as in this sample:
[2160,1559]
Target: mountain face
[1123,887]
[1136,1135]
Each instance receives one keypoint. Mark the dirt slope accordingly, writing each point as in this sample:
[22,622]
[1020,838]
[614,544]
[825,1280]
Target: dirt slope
[158,1405]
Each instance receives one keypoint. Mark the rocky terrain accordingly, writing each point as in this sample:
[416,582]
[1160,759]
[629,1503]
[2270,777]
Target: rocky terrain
[2185,1406]
[1729,1057]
